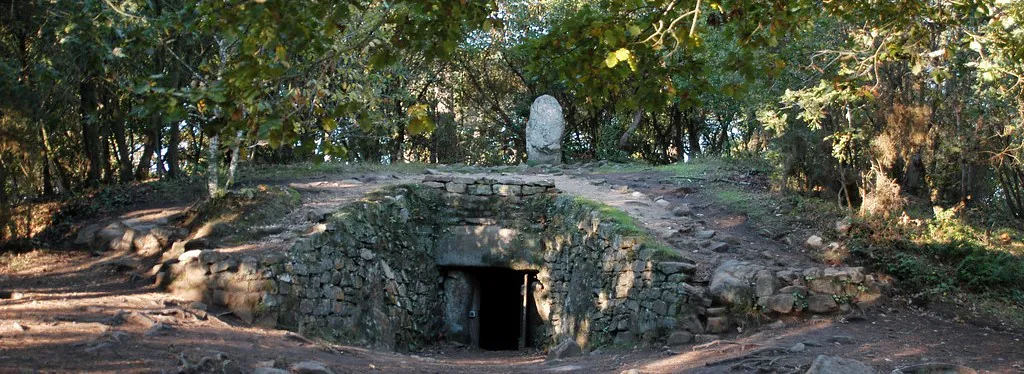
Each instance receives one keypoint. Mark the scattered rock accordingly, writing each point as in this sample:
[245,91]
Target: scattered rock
[565,349]
[663,203]
[310,367]
[230,367]
[719,247]
[798,347]
[838,365]
[844,225]
[841,339]
[19,327]
[935,367]
[679,338]
[98,347]
[631,371]
[705,234]
[159,329]
[270,371]
[814,242]
[598,182]
[682,210]
[139,319]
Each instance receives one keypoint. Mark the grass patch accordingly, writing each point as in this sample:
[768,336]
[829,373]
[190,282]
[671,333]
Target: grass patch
[624,224]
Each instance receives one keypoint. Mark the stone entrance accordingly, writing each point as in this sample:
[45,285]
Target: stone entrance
[491,308]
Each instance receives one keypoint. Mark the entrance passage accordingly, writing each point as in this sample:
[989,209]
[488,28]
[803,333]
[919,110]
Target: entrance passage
[496,312]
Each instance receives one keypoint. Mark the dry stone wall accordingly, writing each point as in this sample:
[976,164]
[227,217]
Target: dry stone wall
[374,276]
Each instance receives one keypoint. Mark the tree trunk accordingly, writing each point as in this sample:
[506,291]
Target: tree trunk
[57,177]
[676,129]
[234,159]
[152,142]
[637,117]
[213,179]
[173,169]
[90,131]
[693,133]
[108,166]
[124,160]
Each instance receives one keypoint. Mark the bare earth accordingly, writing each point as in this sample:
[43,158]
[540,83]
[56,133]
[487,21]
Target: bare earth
[72,312]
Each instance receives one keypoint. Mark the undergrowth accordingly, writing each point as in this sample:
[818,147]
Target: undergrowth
[973,258]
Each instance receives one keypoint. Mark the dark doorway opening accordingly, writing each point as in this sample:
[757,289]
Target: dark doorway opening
[502,310]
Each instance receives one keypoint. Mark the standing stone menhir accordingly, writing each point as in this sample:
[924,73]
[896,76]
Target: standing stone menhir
[544,132]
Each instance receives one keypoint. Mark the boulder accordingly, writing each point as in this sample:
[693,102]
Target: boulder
[705,234]
[679,338]
[310,367]
[815,242]
[86,234]
[565,349]
[114,237]
[818,303]
[731,282]
[544,132]
[781,303]
[838,365]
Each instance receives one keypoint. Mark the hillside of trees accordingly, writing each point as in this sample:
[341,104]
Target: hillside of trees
[871,104]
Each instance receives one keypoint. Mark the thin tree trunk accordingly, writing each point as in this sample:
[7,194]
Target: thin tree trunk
[55,173]
[90,131]
[213,180]
[637,117]
[693,133]
[234,159]
[152,142]
[108,166]
[124,159]
[174,138]
[676,129]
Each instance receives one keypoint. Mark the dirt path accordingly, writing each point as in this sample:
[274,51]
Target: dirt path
[70,312]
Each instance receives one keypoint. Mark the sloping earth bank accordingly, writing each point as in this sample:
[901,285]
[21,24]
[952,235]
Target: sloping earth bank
[72,312]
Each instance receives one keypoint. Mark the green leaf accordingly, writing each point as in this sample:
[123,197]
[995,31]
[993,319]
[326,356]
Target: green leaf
[634,30]
[329,124]
[622,54]
[611,61]
[419,120]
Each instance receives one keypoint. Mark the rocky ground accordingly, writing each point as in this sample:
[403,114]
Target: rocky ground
[70,311]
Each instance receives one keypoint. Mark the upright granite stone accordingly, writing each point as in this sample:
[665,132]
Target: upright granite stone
[544,132]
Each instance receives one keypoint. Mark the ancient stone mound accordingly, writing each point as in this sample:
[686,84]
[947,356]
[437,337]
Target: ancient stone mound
[497,263]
